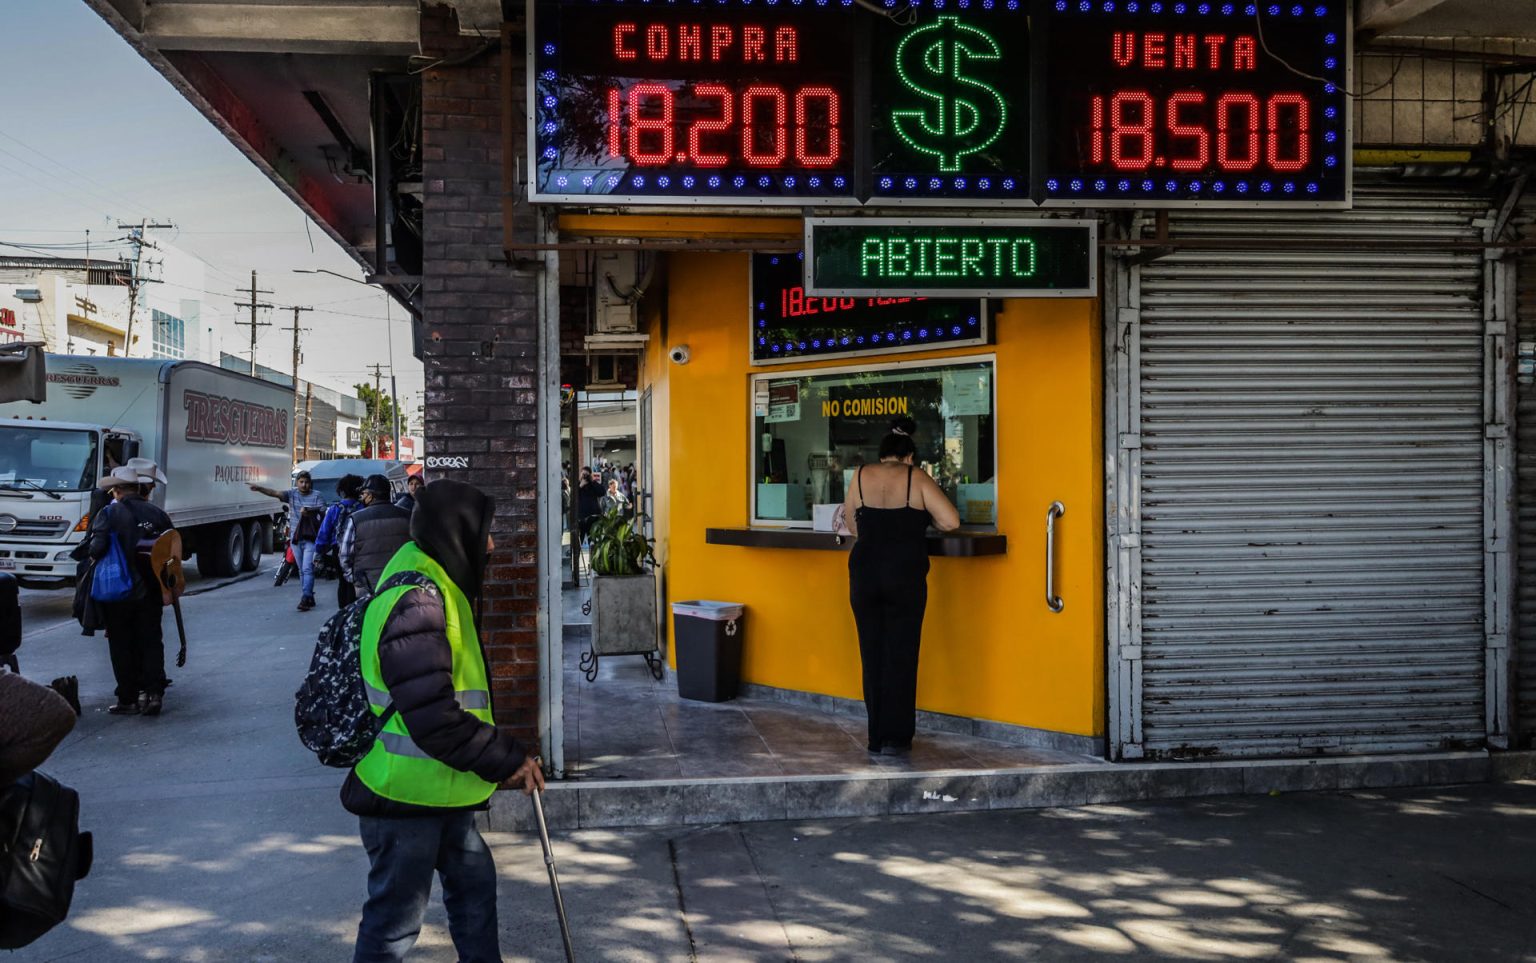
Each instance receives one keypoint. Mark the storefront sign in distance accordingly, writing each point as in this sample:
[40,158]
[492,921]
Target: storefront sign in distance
[951,257]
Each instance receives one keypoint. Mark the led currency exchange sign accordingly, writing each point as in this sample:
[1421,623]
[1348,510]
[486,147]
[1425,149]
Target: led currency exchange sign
[733,101]
[968,102]
[1201,100]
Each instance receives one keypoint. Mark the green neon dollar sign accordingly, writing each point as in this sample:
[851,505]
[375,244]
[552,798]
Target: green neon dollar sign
[967,115]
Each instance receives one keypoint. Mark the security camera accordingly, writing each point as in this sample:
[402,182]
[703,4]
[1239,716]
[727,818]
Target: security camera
[679,354]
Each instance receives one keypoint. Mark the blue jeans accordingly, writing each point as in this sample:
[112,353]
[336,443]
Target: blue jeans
[304,554]
[402,854]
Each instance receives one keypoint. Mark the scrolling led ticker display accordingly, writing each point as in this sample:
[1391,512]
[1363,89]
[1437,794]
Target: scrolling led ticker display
[955,103]
[790,325]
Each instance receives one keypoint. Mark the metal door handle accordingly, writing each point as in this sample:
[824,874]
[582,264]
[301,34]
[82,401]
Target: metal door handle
[1053,600]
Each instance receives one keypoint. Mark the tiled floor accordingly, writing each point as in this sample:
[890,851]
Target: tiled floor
[627,725]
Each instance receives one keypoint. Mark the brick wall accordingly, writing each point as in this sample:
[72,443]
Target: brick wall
[480,333]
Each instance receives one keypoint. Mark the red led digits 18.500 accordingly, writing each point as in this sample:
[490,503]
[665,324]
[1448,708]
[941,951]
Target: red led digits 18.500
[1211,102]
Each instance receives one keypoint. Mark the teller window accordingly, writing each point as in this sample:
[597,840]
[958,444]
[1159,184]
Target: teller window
[814,429]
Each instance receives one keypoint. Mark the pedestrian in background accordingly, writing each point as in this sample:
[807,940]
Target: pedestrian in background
[614,500]
[134,635]
[439,755]
[589,496]
[371,536]
[889,511]
[350,488]
[413,487]
[305,510]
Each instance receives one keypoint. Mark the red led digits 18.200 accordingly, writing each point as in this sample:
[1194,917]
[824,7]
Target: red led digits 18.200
[752,128]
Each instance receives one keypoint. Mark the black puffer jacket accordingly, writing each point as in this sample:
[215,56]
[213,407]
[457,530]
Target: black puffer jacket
[451,524]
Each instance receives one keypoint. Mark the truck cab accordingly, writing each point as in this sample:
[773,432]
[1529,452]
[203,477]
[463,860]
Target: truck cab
[48,472]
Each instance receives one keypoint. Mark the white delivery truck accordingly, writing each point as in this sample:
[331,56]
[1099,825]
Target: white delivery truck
[213,432]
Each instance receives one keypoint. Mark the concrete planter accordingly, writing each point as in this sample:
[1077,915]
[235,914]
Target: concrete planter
[623,620]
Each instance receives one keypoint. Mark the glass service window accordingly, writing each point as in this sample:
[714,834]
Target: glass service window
[813,429]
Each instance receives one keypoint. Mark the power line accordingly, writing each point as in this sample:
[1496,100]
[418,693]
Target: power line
[53,190]
[63,166]
[83,192]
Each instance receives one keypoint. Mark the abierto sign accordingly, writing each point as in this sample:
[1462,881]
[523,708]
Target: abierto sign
[951,257]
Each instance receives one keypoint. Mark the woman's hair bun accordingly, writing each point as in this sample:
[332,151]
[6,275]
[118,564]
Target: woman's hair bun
[904,426]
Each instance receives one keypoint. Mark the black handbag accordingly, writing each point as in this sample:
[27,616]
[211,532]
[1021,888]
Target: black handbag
[42,855]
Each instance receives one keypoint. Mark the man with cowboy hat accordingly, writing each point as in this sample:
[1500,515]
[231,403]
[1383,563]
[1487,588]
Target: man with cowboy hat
[148,469]
[133,625]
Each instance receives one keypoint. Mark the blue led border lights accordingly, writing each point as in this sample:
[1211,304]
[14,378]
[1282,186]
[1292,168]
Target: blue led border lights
[1326,177]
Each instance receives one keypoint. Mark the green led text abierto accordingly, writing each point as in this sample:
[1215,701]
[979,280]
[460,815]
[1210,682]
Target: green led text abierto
[970,113]
[989,258]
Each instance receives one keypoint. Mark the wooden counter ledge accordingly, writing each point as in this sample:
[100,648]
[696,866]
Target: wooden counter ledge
[957,544]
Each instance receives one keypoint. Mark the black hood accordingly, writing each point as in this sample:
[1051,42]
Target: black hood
[451,523]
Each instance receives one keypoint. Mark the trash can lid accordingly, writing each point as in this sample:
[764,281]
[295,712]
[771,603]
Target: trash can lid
[706,609]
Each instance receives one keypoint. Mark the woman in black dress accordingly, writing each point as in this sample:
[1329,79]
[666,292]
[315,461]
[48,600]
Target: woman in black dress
[889,508]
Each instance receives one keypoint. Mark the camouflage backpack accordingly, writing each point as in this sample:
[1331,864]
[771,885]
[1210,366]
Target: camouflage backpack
[331,709]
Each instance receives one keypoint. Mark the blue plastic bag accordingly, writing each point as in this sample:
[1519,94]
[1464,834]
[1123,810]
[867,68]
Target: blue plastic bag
[112,580]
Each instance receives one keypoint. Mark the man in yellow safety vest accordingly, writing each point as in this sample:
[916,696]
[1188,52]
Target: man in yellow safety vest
[439,755]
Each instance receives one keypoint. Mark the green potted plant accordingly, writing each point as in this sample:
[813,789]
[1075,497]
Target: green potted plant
[623,592]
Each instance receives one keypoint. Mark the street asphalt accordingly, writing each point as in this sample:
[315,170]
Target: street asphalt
[219,838]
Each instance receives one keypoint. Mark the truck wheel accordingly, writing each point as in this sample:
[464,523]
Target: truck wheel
[253,544]
[223,554]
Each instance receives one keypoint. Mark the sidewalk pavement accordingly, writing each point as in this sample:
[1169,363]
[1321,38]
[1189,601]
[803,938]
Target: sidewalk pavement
[220,839]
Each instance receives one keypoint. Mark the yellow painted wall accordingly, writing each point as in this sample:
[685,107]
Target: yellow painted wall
[991,648]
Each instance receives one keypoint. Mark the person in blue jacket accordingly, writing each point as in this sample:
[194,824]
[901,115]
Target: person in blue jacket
[350,488]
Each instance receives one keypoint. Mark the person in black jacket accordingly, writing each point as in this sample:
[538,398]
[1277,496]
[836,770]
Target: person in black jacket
[407,842]
[371,535]
[589,495]
[10,621]
[133,626]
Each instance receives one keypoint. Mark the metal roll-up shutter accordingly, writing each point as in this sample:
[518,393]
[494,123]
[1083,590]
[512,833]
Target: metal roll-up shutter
[1311,431]
[1525,614]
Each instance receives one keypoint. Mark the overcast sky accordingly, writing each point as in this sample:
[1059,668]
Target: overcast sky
[78,97]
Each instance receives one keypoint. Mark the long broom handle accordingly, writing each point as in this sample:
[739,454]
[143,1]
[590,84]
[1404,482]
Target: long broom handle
[554,879]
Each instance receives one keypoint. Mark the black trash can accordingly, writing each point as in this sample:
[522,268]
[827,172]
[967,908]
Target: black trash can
[708,636]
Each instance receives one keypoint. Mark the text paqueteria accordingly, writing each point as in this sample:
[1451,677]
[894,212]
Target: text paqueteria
[220,420]
[864,407]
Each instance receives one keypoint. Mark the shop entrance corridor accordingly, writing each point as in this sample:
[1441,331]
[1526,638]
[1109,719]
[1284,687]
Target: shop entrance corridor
[628,725]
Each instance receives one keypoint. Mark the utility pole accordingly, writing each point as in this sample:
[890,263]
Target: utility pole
[379,427]
[394,396]
[253,304]
[295,329]
[136,280]
[309,401]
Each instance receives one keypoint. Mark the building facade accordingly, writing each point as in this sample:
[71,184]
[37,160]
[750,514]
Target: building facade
[1256,489]
[79,306]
